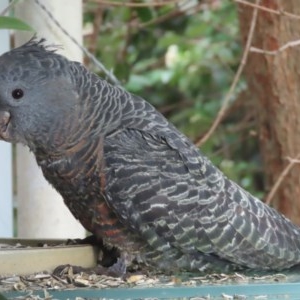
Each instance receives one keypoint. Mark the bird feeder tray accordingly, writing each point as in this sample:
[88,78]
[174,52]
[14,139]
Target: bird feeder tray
[25,256]
[287,291]
[44,255]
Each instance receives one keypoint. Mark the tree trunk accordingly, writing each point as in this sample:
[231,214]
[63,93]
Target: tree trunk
[274,82]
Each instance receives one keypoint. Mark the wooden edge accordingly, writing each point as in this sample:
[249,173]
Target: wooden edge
[23,261]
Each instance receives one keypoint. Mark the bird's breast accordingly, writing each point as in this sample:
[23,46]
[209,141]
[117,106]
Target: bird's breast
[83,193]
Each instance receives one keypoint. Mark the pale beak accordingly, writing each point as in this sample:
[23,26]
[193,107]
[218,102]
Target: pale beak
[4,124]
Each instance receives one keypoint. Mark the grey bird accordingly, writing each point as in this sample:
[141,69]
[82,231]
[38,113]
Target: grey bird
[129,176]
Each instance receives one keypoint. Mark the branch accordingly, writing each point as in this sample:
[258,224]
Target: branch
[286,46]
[172,14]
[273,11]
[284,173]
[134,4]
[222,111]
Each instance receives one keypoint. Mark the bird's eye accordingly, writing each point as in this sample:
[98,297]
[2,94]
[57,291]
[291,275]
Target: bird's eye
[17,94]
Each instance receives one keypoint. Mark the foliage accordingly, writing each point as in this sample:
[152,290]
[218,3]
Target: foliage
[184,64]
[13,23]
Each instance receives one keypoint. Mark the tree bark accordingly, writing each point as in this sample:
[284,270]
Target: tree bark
[274,82]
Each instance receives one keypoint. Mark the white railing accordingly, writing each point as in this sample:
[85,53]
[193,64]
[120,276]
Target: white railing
[6,198]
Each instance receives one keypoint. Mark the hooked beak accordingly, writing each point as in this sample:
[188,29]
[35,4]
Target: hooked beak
[4,125]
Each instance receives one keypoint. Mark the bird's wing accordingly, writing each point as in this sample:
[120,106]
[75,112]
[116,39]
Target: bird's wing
[166,190]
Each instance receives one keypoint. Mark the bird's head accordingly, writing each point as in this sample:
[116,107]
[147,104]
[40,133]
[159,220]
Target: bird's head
[38,97]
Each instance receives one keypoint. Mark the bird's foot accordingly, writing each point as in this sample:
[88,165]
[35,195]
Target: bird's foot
[110,262]
[118,269]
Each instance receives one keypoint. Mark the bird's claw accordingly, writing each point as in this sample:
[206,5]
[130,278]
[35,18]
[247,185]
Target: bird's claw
[118,269]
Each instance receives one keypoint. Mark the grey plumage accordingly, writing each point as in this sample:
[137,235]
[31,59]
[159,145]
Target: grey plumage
[129,176]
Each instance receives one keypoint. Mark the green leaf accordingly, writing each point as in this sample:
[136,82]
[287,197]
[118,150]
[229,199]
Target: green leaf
[13,23]
[144,14]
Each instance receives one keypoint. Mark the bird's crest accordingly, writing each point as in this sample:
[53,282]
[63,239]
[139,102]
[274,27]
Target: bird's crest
[38,46]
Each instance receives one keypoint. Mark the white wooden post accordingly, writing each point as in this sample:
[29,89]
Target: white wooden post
[41,211]
[6,203]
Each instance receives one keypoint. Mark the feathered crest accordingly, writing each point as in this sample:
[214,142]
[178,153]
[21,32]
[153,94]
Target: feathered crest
[42,43]
[38,45]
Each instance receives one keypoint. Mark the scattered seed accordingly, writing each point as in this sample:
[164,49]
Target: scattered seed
[81,282]
[135,278]
[227,297]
